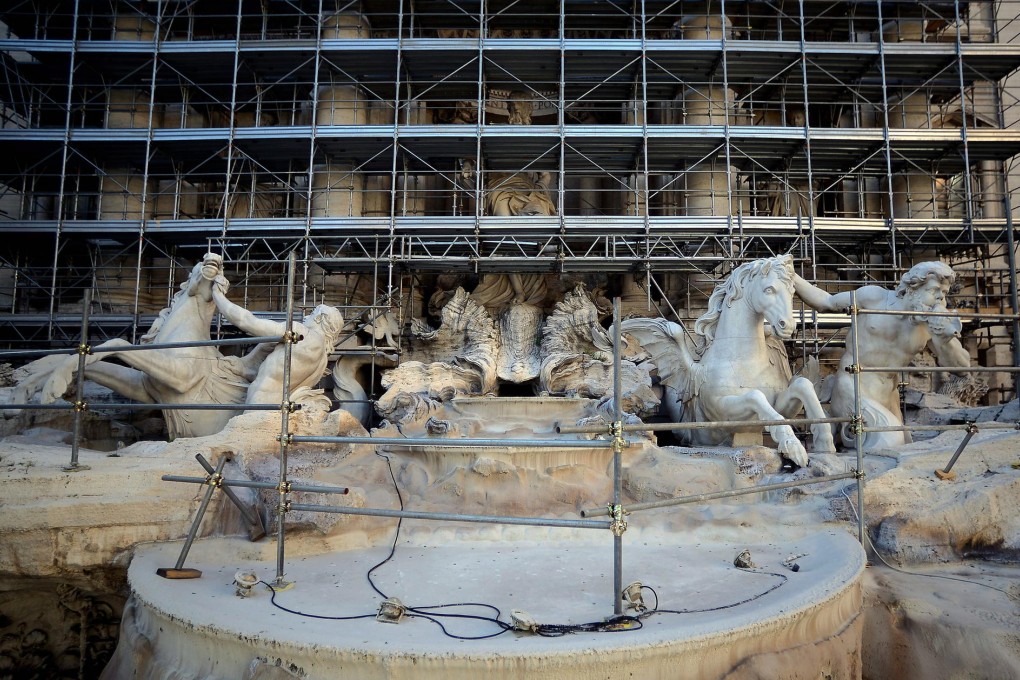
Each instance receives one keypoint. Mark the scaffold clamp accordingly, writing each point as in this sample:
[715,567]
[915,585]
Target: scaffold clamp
[81,405]
[618,525]
[84,349]
[853,368]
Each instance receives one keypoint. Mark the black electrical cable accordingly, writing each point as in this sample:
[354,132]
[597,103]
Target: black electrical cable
[272,600]
[655,610]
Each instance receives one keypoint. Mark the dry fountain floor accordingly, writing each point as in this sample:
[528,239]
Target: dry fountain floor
[749,621]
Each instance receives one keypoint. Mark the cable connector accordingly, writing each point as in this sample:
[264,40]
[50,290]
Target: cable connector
[391,610]
[522,621]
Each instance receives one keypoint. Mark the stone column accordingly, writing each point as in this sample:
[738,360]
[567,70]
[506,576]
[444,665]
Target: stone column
[337,190]
[706,185]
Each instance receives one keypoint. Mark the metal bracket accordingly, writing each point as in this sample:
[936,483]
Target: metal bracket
[290,406]
[856,424]
[84,349]
[286,440]
[283,508]
[618,525]
[81,405]
[215,479]
[853,368]
[859,474]
[283,487]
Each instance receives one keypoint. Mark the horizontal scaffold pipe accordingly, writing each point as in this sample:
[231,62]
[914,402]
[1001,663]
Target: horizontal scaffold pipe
[991,425]
[914,312]
[453,517]
[460,443]
[227,342]
[937,369]
[248,484]
[702,497]
[149,407]
[648,427]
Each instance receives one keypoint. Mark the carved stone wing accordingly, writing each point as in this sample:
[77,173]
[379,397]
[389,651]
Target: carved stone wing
[670,349]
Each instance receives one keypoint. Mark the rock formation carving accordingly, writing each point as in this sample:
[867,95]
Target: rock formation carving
[731,370]
[889,341]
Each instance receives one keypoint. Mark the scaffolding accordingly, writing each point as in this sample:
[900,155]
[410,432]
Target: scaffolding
[372,139]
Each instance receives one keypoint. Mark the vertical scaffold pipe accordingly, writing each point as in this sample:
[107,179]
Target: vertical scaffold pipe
[288,340]
[617,464]
[79,389]
[858,419]
[1014,303]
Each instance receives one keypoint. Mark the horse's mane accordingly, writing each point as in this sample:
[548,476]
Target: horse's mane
[732,289]
[164,314]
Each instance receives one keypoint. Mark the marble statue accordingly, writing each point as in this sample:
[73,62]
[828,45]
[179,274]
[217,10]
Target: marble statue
[319,333]
[456,359]
[577,358]
[887,340]
[734,369]
[181,375]
[522,193]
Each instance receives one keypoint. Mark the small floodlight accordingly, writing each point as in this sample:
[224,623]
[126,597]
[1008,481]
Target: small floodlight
[245,581]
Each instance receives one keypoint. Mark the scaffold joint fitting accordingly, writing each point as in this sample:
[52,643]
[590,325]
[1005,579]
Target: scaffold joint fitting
[618,525]
[84,349]
[853,368]
[859,474]
[856,425]
[285,439]
[81,405]
[214,479]
[972,427]
[283,508]
[283,487]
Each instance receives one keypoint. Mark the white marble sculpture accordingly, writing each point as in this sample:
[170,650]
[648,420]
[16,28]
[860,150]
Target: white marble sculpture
[892,341]
[733,369]
[458,358]
[577,358]
[182,375]
[319,332]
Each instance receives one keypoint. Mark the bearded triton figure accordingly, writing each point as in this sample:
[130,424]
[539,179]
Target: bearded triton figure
[889,340]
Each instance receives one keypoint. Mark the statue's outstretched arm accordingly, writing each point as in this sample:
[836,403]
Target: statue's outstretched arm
[243,319]
[816,298]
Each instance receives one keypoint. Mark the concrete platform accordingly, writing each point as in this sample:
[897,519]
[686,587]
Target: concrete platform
[764,622]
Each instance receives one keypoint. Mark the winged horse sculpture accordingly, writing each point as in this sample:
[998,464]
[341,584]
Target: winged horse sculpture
[175,375]
[734,369]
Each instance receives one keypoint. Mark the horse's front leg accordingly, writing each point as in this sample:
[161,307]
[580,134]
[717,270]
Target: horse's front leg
[59,380]
[802,393]
[755,403]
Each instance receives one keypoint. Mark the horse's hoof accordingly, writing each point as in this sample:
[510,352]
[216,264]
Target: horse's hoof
[795,451]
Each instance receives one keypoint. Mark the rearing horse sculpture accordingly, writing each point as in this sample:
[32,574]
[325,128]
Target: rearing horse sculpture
[197,375]
[732,370]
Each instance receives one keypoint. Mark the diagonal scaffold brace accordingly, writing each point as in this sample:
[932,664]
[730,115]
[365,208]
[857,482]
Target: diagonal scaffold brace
[213,481]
